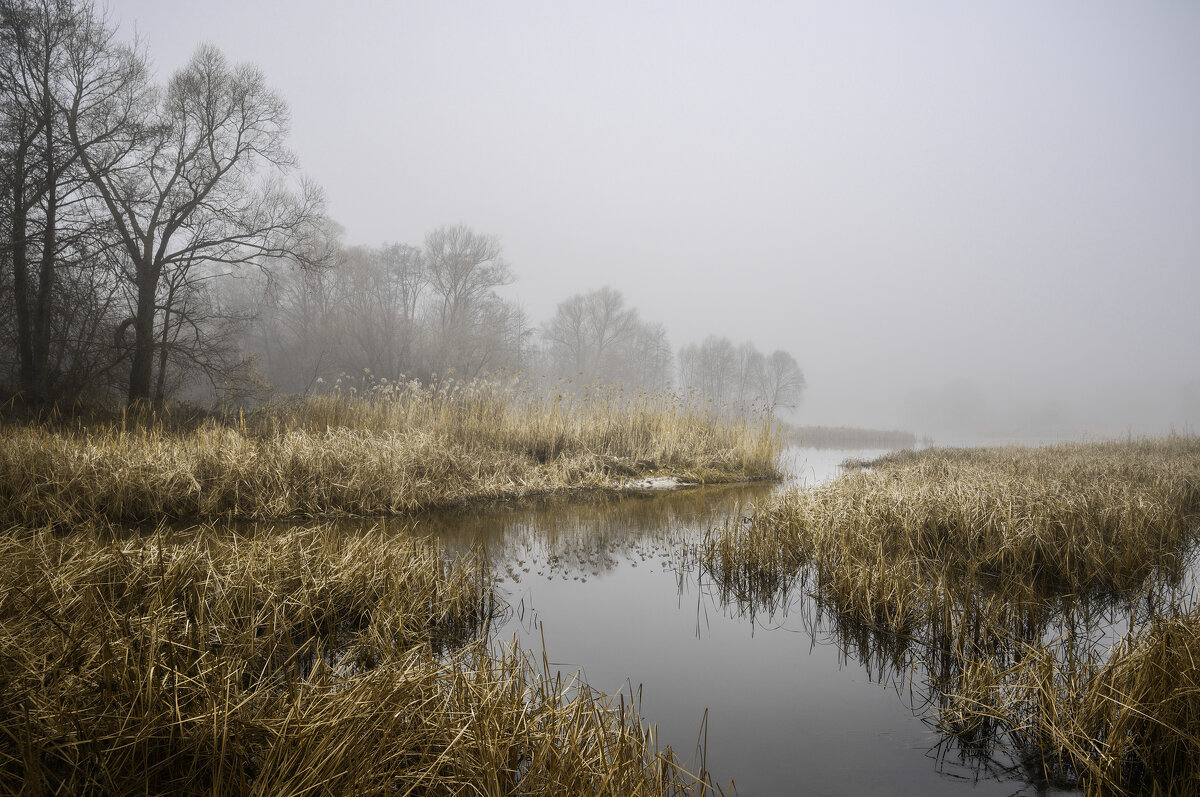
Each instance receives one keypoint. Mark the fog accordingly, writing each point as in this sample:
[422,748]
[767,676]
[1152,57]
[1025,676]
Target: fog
[962,219]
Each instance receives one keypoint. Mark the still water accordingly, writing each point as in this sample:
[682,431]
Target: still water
[606,582]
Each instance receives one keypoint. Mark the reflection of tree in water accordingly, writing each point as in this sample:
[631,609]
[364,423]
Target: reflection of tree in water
[1006,673]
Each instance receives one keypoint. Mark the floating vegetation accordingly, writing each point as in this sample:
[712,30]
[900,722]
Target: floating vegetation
[1042,593]
[206,661]
[396,448]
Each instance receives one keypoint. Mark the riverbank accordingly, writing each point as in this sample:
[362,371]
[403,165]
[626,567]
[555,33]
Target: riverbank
[401,450]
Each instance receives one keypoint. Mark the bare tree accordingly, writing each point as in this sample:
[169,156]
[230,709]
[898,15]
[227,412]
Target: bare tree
[710,368]
[387,310]
[407,276]
[749,367]
[198,183]
[295,310]
[27,177]
[497,340]
[782,382]
[199,333]
[587,332]
[740,379]
[392,280]
[651,357]
[596,335]
[464,268]
[294,330]
[49,229]
[360,312]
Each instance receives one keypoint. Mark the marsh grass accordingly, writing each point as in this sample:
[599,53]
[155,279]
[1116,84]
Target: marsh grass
[316,661]
[1040,591]
[1069,519]
[393,448]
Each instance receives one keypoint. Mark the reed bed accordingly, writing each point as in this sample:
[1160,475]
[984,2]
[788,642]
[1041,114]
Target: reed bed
[394,448]
[1040,591]
[1135,717]
[1123,719]
[316,661]
[1075,519]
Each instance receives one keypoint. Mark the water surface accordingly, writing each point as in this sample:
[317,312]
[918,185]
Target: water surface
[791,708]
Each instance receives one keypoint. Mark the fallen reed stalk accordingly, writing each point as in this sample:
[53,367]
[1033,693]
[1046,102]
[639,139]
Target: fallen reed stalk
[315,661]
[395,449]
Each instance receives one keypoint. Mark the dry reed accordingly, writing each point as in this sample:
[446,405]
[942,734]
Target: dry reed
[1000,572]
[396,448]
[316,661]
[1076,519]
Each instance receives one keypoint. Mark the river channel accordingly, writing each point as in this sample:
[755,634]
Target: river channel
[606,584]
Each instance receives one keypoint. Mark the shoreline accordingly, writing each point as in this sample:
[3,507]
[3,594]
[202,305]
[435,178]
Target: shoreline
[385,459]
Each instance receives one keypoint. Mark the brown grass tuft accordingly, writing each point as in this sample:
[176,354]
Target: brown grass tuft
[316,661]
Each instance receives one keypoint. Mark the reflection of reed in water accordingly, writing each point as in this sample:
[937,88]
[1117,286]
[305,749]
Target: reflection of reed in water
[1095,691]
[1038,603]
[586,535]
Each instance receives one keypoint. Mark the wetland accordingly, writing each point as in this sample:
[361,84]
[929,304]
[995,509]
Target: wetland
[945,621]
[988,670]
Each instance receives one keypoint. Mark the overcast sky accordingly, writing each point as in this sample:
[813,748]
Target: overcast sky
[983,205]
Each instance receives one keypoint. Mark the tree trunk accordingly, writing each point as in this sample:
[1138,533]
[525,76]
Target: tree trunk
[20,250]
[40,377]
[160,388]
[141,371]
[40,374]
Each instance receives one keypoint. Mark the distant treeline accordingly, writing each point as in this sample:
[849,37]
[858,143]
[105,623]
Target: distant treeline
[847,437]
[158,244]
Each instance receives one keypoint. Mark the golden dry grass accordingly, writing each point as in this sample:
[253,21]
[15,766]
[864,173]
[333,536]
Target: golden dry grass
[1066,519]
[1120,720]
[311,662]
[995,571]
[394,449]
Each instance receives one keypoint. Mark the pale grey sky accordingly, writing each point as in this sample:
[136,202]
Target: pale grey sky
[931,204]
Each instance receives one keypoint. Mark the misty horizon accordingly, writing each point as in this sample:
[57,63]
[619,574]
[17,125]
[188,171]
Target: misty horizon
[961,221]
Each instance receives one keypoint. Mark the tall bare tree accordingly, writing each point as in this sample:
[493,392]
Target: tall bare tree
[586,331]
[49,230]
[740,379]
[596,335]
[198,183]
[464,268]
[407,276]
[747,378]
[782,383]
[710,368]
[393,280]
[652,358]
